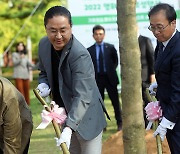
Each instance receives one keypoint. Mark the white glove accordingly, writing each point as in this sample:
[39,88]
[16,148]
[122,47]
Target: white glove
[162,128]
[161,131]
[65,137]
[44,90]
[152,87]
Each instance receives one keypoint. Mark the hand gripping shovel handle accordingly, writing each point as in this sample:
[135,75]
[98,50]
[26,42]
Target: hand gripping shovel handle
[155,123]
[55,124]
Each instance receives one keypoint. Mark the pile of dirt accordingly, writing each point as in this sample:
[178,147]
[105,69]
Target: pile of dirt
[114,145]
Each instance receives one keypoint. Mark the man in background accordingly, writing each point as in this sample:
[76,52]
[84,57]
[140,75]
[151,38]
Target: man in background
[147,67]
[105,60]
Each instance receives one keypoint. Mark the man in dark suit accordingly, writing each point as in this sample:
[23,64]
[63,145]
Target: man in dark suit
[147,67]
[167,72]
[105,60]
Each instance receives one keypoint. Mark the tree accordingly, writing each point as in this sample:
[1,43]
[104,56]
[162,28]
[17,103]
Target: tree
[132,104]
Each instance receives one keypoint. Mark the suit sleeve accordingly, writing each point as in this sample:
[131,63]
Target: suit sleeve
[173,108]
[115,57]
[150,56]
[43,74]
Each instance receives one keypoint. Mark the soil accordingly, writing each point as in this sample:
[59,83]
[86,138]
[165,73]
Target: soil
[114,145]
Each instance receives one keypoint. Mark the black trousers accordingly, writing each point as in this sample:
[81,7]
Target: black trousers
[102,83]
[173,138]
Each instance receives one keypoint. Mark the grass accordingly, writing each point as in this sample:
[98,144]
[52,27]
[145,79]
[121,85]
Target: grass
[42,141]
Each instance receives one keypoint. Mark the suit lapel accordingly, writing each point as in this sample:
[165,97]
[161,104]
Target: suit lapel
[65,51]
[94,56]
[64,54]
[105,53]
[166,52]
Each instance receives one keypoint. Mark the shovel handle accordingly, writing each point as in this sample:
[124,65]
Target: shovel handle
[55,124]
[155,124]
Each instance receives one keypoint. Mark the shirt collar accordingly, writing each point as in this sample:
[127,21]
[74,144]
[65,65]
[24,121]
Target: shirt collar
[102,43]
[166,42]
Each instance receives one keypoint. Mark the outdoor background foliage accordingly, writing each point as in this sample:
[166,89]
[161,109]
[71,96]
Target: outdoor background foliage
[12,19]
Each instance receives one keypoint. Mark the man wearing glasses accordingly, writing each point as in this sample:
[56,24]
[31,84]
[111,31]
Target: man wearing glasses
[67,70]
[167,72]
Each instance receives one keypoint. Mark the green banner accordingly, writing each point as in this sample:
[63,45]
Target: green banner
[106,19]
[86,20]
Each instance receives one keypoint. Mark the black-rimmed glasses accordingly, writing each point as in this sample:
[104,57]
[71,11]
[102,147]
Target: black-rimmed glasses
[55,32]
[159,28]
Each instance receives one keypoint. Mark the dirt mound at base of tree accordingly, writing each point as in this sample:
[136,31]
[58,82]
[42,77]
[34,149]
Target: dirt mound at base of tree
[114,145]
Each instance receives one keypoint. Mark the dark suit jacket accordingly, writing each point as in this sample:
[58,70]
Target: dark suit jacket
[77,87]
[147,58]
[167,72]
[111,61]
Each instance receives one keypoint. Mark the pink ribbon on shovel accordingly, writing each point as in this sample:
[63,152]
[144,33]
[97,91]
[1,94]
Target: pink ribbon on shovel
[154,112]
[57,113]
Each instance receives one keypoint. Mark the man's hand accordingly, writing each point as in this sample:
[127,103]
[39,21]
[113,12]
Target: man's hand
[162,128]
[161,131]
[44,90]
[65,137]
[152,87]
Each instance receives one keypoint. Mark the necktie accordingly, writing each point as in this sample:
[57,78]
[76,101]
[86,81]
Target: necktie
[101,61]
[161,46]
[160,51]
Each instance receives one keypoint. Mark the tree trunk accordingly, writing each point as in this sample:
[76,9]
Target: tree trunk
[132,104]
